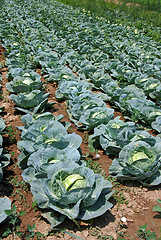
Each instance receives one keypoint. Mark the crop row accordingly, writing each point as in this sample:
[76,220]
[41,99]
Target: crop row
[97,54]
[103,56]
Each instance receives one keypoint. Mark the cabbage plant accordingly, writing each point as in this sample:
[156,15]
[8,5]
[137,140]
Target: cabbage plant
[144,110]
[43,133]
[23,84]
[32,101]
[41,160]
[95,116]
[87,110]
[70,89]
[112,136]
[29,119]
[72,191]
[127,93]
[15,73]
[139,161]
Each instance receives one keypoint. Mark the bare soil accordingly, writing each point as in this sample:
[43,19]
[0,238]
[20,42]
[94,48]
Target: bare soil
[130,200]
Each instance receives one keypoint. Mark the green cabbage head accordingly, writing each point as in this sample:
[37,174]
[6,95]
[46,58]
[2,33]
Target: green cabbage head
[138,160]
[73,191]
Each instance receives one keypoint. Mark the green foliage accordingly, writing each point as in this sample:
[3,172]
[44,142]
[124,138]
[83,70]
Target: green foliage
[139,16]
[71,184]
[31,233]
[139,161]
[12,133]
[14,222]
[157,208]
[144,233]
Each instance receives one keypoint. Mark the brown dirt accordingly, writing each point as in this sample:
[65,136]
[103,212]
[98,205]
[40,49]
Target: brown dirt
[128,4]
[130,200]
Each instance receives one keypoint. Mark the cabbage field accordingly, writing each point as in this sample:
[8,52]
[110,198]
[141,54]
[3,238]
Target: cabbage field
[80,125]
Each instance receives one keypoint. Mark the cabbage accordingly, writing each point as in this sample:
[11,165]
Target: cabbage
[140,161]
[73,191]
[74,181]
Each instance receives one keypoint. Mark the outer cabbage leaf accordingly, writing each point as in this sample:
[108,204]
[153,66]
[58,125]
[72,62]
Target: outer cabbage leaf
[157,124]
[20,72]
[2,124]
[45,134]
[5,204]
[29,119]
[51,156]
[156,94]
[70,89]
[4,161]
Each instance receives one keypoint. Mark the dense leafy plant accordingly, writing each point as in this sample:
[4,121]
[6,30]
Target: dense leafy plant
[30,102]
[23,84]
[44,158]
[70,89]
[145,233]
[45,132]
[87,110]
[138,160]
[112,136]
[157,208]
[73,191]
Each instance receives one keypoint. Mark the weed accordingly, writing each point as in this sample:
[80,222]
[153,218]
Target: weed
[119,197]
[12,133]
[85,139]
[12,154]
[144,233]
[94,166]
[97,232]
[19,185]
[14,223]
[70,130]
[157,208]
[31,233]
[34,206]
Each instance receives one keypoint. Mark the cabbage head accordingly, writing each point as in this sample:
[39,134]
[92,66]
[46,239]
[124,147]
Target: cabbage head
[23,84]
[28,100]
[112,136]
[72,191]
[44,158]
[138,161]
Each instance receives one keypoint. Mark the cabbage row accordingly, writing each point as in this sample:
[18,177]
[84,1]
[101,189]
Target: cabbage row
[94,49]
[138,152]
[53,165]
